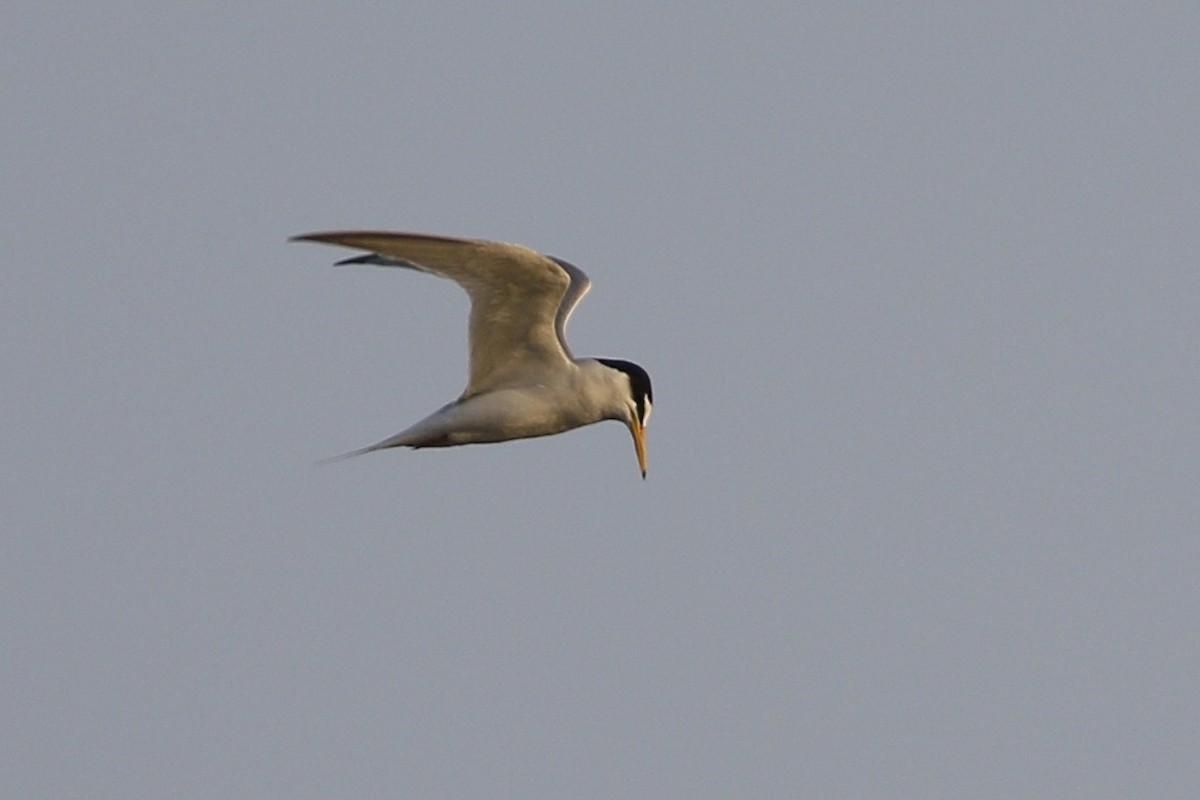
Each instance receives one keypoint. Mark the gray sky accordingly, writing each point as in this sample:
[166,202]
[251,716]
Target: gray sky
[918,290]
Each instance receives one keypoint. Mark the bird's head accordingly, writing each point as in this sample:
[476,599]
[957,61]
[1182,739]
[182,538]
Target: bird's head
[638,403]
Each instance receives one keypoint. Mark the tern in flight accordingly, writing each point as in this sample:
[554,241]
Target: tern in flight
[523,380]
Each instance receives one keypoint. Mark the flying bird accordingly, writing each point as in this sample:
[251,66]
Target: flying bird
[522,380]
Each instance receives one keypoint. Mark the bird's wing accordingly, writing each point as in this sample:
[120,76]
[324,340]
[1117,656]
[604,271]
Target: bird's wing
[580,283]
[520,299]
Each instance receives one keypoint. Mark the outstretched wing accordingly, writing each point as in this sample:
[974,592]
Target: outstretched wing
[518,313]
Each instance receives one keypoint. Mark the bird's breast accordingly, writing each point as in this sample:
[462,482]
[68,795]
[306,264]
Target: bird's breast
[505,414]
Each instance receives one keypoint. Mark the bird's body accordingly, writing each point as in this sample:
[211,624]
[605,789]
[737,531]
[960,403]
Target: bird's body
[523,381]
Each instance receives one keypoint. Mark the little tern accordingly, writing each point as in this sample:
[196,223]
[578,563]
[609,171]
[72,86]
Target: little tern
[522,380]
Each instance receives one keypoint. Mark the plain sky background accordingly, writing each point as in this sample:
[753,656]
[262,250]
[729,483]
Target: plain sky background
[917,285]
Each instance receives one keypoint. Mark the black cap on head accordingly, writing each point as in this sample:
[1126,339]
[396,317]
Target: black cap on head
[639,383]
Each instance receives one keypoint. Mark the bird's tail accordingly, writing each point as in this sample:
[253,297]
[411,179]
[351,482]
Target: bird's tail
[402,439]
[344,456]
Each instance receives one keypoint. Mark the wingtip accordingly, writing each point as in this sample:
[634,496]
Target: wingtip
[323,237]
